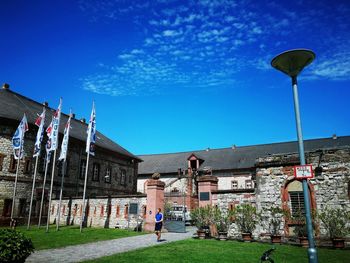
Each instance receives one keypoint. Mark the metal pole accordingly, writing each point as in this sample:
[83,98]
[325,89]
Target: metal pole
[312,252]
[86,172]
[31,198]
[15,186]
[61,193]
[50,196]
[43,190]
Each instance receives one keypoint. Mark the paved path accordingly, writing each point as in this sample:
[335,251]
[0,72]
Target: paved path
[104,248]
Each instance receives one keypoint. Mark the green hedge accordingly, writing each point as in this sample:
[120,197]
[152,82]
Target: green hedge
[14,246]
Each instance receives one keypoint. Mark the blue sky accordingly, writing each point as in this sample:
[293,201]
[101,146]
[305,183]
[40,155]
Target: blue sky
[172,76]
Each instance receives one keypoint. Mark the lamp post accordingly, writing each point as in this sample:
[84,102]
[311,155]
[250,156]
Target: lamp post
[292,63]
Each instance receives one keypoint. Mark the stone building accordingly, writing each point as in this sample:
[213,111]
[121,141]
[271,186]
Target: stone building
[112,171]
[261,175]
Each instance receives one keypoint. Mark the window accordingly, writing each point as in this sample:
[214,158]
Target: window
[297,203]
[13,164]
[7,207]
[126,211]
[296,198]
[108,175]
[130,178]
[27,165]
[22,206]
[2,157]
[82,169]
[234,184]
[122,177]
[61,169]
[96,172]
[248,184]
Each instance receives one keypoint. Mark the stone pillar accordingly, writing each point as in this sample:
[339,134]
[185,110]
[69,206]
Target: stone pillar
[206,184]
[155,200]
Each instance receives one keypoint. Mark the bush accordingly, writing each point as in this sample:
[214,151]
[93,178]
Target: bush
[246,217]
[336,222]
[14,246]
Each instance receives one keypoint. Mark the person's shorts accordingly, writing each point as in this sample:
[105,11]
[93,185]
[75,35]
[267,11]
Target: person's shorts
[158,226]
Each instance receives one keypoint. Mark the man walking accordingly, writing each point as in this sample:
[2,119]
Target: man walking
[159,224]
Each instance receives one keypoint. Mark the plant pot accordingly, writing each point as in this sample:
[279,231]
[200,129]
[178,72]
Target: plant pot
[222,236]
[338,242]
[201,234]
[276,239]
[304,242]
[247,237]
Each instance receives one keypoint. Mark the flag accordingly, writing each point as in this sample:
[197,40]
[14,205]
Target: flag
[91,132]
[52,130]
[39,136]
[64,145]
[18,138]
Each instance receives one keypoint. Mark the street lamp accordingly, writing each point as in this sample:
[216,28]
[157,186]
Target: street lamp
[292,62]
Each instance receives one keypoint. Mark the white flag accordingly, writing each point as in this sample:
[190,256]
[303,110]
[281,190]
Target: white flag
[52,130]
[64,146]
[39,136]
[18,138]
[91,132]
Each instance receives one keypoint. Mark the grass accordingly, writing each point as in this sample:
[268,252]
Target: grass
[70,235]
[192,250]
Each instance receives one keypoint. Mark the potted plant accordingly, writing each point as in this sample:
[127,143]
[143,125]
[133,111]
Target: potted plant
[246,217]
[300,227]
[222,222]
[275,222]
[336,222]
[200,218]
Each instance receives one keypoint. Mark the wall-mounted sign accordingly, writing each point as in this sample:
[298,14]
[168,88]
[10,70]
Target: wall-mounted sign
[303,171]
[204,196]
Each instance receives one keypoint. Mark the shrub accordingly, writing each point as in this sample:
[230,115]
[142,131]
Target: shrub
[336,222]
[14,246]
[246,217]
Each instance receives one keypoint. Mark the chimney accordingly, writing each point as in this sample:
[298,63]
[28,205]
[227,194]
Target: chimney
[83,120]
[6,86]
[208,149]
[334,137]
[46,104]
[73,115]
[233,146]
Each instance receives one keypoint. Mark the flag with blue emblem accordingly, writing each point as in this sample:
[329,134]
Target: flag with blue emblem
[64,146]
[91,132]
[18,138]
[39,136]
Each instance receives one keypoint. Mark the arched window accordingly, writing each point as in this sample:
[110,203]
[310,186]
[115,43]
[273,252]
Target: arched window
[296,198]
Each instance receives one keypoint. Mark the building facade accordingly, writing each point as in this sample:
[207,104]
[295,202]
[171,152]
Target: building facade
[112,171]
[261,175]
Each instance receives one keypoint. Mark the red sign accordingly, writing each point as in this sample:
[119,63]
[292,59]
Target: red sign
[303,171]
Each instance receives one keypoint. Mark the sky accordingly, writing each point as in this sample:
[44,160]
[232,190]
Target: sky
[172,76]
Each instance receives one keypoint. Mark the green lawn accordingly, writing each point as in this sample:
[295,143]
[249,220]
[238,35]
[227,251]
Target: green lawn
[192,250]
[70,235]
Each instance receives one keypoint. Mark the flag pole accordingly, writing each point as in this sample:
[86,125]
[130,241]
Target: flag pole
[52,176]
[43,191]
[61,193]
[31,198]
[15,186]
[86,172]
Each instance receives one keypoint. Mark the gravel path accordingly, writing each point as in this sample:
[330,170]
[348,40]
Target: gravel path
[104,248]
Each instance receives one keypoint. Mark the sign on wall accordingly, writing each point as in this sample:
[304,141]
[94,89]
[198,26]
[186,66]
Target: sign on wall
[204,196]
[303,171]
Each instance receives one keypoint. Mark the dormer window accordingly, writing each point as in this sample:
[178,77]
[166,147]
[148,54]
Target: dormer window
[248,184]
[193,164]
[234,184]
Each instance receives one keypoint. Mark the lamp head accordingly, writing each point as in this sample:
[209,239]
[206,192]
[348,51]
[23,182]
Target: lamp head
[292,62]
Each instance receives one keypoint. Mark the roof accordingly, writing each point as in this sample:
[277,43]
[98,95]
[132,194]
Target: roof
[13,105]
[233,158]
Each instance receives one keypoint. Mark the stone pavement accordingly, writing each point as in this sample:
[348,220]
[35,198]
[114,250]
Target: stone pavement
[104,248]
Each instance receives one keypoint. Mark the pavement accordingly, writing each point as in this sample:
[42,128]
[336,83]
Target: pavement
[99,249]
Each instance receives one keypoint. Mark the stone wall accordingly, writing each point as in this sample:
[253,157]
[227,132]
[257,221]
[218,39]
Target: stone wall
[330,187]
[108,212]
